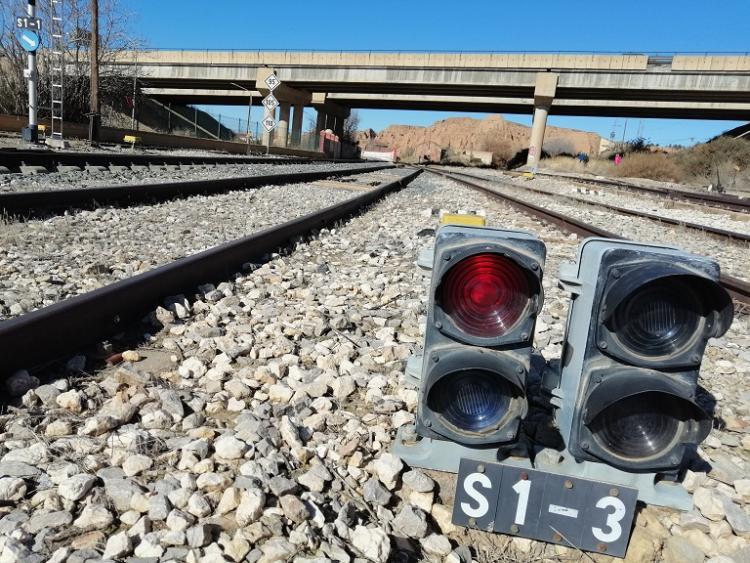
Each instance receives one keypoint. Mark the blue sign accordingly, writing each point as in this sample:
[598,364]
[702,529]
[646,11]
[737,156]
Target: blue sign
[29,40]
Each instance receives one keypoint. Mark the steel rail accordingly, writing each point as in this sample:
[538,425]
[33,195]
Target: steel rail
[737,288]
[722,201]
[43,202]
[14,159]
[50,333]
[714,231]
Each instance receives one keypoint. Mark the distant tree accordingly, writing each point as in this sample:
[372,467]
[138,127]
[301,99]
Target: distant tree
[351,126]
[116,88]
[639,144]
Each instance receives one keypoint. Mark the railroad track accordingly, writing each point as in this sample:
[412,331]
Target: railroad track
[50,160]
[44,202]
[47,334]
[737,288]
[722,201]
[707,229]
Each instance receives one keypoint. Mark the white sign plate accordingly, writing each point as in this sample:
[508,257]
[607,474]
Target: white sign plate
[272,82]
[269,123]
[270,102]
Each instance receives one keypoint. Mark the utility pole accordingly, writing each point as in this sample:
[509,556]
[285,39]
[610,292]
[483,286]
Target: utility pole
[249,108]
[94,108]
[30,42]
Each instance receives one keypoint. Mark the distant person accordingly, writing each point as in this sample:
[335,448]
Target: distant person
[583,158]
[618,159]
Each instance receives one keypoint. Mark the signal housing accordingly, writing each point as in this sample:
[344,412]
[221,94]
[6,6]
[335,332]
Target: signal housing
[473,380]
[637,330]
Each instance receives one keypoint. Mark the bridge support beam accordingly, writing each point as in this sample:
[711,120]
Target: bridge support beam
[282,129]
[335,113]
[544,94]
[297,117]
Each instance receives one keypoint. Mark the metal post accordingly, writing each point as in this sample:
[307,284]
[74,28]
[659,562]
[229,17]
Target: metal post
[33,131]
[195,122]
[135,91]
[132,119]
[249,113]
[219,133]
[94,108]
[169,117]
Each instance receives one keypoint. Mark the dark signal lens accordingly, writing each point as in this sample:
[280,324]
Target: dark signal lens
[640,426]
[485,294]
[659,319]
[472,400]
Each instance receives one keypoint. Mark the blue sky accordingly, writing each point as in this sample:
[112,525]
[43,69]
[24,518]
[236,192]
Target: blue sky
[499,25]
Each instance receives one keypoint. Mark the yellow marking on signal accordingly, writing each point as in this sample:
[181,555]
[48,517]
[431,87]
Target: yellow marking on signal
[528,175]
[462,219]
[132,139]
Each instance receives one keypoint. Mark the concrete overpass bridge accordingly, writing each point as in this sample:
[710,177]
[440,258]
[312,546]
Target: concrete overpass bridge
[617,85]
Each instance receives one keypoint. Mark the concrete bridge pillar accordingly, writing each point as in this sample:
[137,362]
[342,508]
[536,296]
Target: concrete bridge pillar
[299,110]
[544,94]
[282,128]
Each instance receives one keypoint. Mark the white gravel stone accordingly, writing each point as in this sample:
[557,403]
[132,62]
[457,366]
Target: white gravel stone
[343,387]
[436,545]
[76,487]
[12,489]
[229,447]
[374,543]
[70,400]
[118,545]
[94,517]
[280,394]
[251,506]
[710,503]
[388,468]
[136,464]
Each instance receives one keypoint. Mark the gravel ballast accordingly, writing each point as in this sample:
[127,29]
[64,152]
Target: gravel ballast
[160,174]
[45,261]
[661,206]
[256,424]
[730,254]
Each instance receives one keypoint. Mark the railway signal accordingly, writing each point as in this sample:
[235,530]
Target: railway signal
[637,330]
[485,294]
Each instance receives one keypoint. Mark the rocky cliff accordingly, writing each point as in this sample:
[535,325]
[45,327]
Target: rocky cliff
[462,135]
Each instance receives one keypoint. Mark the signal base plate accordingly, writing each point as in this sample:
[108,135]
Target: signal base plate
[441,455]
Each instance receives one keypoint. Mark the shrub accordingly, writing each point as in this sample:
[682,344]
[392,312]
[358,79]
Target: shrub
[700,163]
[653,166]
[502,150]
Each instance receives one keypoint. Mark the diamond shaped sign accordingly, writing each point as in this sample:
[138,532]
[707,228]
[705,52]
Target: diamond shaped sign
[272,82]
[269,123]
[270,102]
